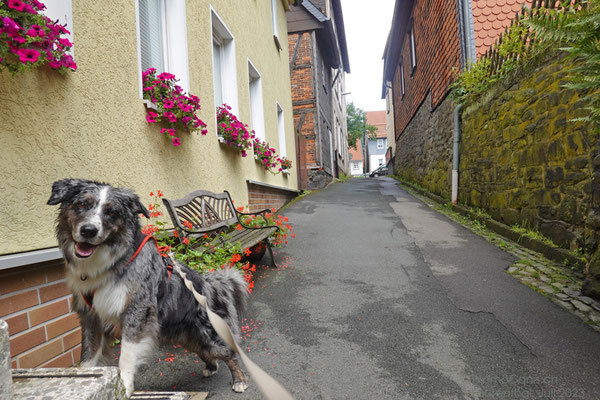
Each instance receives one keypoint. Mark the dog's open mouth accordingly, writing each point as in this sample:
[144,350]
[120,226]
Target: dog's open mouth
[84,250]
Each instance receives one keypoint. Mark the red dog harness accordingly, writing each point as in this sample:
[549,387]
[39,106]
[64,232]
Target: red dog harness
[89,297]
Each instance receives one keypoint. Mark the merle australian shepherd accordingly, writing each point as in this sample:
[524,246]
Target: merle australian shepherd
[138,298]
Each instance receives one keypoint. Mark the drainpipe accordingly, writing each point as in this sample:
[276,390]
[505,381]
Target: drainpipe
[456,153]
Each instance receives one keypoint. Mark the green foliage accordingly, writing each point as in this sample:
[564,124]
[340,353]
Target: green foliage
[533,234]
[357,125]
[576,30]
[477,77]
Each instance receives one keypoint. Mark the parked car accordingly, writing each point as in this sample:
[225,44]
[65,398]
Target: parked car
[381,171]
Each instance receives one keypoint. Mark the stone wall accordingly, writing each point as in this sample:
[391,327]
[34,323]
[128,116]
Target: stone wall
[526,162]
[424,149]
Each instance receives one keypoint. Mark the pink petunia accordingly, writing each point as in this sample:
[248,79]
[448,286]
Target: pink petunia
[165,76]
[168,104]
[19,39]
[36,31]
[176,141]
[16,5]
[170,116]
[10,26]
[172,132]
[65,42]
[28,55]
[38,5]
[151,117]
[164,130]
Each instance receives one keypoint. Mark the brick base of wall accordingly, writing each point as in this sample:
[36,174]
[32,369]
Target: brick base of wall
[261,197]
[36,303]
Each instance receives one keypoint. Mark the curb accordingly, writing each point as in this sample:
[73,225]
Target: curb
[553,253]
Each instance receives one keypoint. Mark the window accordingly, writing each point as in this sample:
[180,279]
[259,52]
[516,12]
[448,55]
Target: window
[224,69]
[402,87]
[380,144]
[413,52]
[61,10]
[281,131]
[162,38]
[355,165]
[274,21]
[380,161]
[256,102]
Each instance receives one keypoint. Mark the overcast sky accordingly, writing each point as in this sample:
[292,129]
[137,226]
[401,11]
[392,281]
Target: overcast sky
[367,24]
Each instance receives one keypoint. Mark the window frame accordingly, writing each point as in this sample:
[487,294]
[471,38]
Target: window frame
[255,98]
[63,11]
[174,42]
[275,24]
[412,48]
[380,141]
[281,129]
[220,31]
[402,82]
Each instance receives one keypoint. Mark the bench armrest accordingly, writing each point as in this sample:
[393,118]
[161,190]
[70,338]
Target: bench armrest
[262,213]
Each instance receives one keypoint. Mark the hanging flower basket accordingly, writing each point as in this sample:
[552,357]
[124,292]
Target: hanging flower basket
[264,154]
[232,131]
[285,165]
[29,39]
[169,105]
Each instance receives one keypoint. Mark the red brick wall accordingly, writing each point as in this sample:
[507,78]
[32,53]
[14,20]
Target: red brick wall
[36,303]
[261,197]
[437,47]
[303,98]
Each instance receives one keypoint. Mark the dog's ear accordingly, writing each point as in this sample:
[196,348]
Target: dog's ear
[135,204]
[141,209]
[65,190]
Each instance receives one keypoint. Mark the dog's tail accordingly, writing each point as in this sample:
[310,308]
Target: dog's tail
[231,281]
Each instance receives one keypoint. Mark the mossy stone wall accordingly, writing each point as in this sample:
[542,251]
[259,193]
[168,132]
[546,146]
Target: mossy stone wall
[524,160]
[424,149]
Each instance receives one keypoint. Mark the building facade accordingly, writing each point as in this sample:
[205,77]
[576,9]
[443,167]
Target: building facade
[378,145]
[92,124]
[356,159]
[318,62]
[427,43]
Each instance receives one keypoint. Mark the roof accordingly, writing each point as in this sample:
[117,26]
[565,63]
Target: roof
[491,18]
[393,46]
[379,120]
[331,33]
[356,155]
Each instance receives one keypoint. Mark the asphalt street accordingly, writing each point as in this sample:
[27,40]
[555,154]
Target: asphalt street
[380,297]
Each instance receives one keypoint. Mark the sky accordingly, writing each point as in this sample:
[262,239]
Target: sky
[367,24]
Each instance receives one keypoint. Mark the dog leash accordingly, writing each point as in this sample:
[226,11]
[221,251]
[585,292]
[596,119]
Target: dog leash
[270,388]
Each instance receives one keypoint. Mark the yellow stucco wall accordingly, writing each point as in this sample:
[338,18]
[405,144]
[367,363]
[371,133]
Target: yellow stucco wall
[91,123]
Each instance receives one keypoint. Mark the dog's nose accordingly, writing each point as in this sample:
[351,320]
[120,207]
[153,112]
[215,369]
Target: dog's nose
[88,231]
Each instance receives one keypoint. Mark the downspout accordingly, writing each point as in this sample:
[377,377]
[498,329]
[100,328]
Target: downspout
[456,153]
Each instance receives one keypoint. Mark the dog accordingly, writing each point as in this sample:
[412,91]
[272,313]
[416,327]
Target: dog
[98,231]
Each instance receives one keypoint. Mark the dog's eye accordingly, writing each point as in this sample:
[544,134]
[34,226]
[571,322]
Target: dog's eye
[81,205]
[110,213]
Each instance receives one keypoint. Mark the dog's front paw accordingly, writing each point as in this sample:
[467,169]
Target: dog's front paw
[239,387]
[129,390]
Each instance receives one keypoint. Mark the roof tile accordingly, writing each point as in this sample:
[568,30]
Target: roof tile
[491,18]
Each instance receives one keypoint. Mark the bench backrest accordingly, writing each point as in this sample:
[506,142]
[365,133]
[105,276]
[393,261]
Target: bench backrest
[205,211]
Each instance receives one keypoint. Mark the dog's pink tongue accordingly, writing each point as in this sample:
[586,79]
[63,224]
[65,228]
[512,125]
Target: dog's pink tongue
[84,249]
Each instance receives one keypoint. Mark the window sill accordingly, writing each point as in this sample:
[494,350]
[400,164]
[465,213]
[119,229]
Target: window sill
[150,105]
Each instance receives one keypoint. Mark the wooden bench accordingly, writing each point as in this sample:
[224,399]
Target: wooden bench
[206,213]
